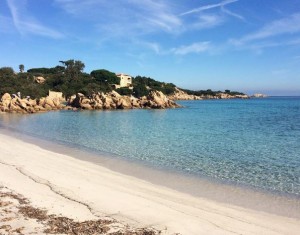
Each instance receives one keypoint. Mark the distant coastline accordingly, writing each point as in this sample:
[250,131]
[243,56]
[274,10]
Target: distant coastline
[67,87]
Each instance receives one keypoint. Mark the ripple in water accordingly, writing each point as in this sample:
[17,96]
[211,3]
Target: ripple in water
[248,142]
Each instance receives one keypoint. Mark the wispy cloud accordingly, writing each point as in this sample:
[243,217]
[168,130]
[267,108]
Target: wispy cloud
[153,46]
[143,23]
[159,14]
[123,17]
[259,46]
[205,21]
[228,12]
[289,25]
[208,7]
[197,48]
[26,24]
[136,17]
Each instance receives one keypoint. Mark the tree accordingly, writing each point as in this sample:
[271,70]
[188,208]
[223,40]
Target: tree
[124,91]
[57,70]
[73,68]
[7,72]
[38,71]
[43,71]
[140,90]
[21,67]
[105,76]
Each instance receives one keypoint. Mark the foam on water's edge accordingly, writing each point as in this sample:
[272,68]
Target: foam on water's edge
[236,195]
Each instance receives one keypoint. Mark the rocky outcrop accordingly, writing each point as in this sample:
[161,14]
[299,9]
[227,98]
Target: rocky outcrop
[181,95]
[242,96]
[15,104]
[158,100]
[98,101]
[40,79]
[113,100]
[228,96]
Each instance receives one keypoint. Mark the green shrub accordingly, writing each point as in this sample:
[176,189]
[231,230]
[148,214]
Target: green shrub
[124,91]
[105,76]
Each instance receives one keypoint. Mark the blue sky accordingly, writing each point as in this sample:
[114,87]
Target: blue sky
[245,45]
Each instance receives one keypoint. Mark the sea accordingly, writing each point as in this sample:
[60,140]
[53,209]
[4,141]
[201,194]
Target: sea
[251,144]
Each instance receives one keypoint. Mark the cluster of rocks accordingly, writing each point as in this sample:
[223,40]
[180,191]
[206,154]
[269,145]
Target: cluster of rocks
[181,95]
[113,100]
[15,104]
[228,96]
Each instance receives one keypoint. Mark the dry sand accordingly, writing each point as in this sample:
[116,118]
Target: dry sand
[82,190]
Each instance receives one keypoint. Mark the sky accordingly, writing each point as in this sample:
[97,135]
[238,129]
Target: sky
[242,45]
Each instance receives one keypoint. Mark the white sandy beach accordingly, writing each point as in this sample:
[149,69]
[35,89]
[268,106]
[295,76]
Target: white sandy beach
[83,190]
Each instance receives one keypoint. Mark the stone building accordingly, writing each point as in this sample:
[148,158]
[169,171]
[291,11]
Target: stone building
[56,95]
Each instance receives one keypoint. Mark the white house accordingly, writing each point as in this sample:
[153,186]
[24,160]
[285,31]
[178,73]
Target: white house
[125,81]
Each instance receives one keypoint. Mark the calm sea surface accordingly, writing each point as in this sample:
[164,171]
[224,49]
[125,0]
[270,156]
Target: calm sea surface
[252,142]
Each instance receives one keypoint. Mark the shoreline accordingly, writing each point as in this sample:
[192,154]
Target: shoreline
[126,198]
[274,202]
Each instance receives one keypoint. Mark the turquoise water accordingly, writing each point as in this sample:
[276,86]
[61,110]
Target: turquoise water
[253,143]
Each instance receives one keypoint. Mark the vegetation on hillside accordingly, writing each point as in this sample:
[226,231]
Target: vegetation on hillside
[210,92]
[22,82]
[142,85]
[69,78]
